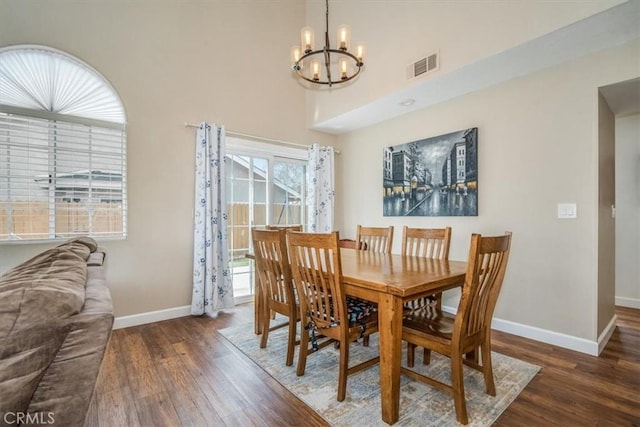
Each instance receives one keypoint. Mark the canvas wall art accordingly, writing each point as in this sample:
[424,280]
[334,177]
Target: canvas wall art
[435,176]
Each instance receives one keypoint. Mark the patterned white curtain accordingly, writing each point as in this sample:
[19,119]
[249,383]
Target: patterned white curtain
[212,285]
[321,189]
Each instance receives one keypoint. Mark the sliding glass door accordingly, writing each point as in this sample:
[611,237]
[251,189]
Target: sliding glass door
[289,192]
[261,189]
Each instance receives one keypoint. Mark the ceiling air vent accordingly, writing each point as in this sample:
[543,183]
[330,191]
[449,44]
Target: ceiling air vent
[423,66]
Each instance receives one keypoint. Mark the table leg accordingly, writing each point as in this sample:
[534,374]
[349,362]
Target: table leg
[390,331]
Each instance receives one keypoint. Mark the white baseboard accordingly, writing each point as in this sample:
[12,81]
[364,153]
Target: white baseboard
[160,315]
[543,335]
[554,338]
[603,339]
[151,316]
[628,302]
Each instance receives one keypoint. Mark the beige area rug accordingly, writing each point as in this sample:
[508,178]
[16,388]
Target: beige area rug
[420,405]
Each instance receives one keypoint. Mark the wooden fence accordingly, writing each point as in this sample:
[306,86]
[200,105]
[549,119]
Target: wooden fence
[24,220]
[31,221]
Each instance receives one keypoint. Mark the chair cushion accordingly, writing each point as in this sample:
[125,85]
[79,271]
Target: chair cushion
[420,303]
[359,310]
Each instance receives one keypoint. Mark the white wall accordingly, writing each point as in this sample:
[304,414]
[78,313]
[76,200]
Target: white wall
[605,297]
[627,131]
[170,62]
[538,146]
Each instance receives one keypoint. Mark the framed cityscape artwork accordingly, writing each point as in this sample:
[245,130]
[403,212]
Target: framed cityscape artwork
[435,176]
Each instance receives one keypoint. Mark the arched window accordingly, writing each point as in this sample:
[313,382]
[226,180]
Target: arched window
[62,148]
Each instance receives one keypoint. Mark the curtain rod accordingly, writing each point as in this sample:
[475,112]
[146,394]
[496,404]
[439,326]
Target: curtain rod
[257,138]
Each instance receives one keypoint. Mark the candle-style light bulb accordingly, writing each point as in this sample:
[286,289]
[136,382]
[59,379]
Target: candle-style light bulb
[295,57]
[344,34]
[343,69]
[315,70]
[307,39]
[360,53]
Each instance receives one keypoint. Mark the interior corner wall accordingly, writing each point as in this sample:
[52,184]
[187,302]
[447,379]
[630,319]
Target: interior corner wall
[606,224]
[537,147]
[627,130]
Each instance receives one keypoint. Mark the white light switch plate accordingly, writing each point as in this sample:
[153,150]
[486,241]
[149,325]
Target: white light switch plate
[567,210]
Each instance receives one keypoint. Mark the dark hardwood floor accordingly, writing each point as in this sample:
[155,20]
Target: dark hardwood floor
[182,372]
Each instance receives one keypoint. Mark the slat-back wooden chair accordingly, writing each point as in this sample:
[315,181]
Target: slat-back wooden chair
[276,285]
[351,244]
[324,308]
[295,227]
[460,336]
[376,239]
[426,243]
[287,227]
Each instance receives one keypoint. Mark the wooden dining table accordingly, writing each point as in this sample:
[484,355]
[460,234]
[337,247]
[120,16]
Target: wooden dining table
[390,280]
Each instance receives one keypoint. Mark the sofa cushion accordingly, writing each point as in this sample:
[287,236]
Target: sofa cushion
[49,286]
[25,354]
[66,387]
[44,263]
[53,329]
[37,298]
[86,241]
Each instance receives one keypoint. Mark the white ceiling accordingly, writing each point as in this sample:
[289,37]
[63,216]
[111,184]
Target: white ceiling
[612,27]
[623,98]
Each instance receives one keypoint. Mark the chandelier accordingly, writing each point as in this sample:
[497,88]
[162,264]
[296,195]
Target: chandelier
[326,66]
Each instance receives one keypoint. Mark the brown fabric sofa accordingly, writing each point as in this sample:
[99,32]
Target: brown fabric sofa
[56,316]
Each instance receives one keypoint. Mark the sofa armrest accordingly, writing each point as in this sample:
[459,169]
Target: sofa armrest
[96,259]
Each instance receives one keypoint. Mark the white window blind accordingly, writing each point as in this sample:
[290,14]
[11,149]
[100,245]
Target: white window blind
[60,175]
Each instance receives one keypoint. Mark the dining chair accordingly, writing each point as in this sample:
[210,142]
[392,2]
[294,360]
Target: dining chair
[276,285]
[294,227]
[375,239]
[460,336]
[426,243]
[351,244]
[285,227]
[325,311]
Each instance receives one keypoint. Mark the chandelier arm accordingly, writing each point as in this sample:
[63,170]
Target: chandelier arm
[318,82]
[298,69]
[337,51]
